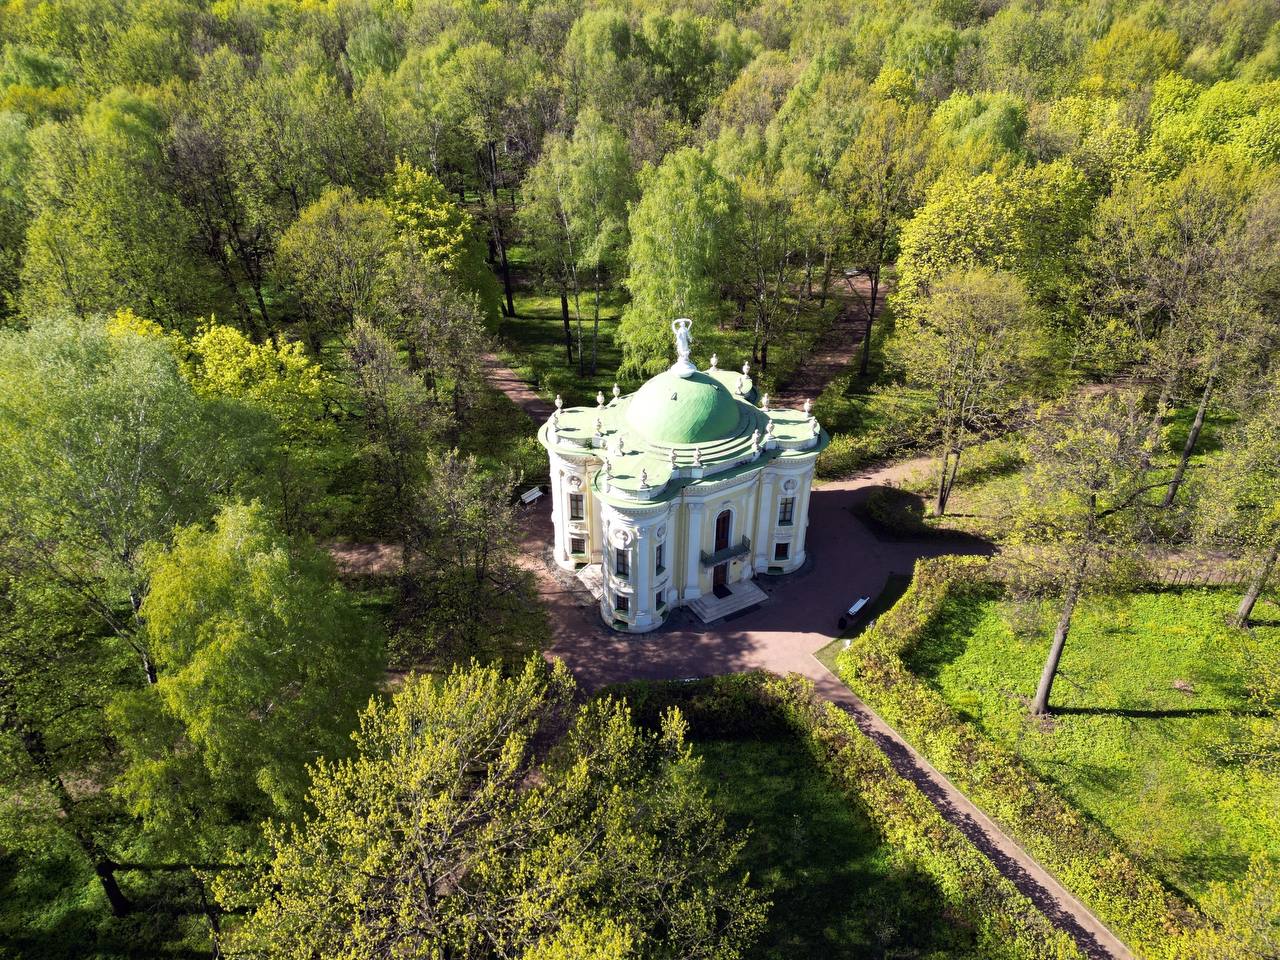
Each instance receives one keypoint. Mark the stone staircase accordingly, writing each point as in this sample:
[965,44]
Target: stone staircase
[742,594]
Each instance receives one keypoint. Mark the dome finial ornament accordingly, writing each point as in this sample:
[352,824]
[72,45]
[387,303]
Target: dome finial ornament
[715,362]
[599,399]
[683,366]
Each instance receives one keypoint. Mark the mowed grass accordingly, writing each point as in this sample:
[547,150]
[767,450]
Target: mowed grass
[836,889]
[1150,711]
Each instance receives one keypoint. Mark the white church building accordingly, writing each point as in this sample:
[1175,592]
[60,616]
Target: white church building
[680,493]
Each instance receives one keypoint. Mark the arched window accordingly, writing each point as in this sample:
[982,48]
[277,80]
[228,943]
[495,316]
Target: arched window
[723,524]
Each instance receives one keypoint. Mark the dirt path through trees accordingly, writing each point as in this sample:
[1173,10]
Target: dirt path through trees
[838,350]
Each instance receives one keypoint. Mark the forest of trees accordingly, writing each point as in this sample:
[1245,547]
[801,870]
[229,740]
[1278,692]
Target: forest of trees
[252,253]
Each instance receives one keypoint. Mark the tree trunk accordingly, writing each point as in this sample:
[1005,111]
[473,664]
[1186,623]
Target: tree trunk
[826,279]
[103,866]
[499,241]
[568,331]
[1260,577]
[871,316]
[940,501]
[951,460]
[1189,447]
[764,353]
[1040,706]
[595,329]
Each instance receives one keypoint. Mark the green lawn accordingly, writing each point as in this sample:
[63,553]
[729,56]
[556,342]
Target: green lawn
[836,889]
[533,345]
[52,908]
[1149,708]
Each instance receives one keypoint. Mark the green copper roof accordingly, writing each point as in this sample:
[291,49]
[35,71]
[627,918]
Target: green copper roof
[693,409]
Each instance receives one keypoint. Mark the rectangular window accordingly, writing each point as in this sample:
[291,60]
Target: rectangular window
[781,550]
[657,558]
[575,506]
[786,510]
[621,604]
[621,563]
[657,601]
[577,545]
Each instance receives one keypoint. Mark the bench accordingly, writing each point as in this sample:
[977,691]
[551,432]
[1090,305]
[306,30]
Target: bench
[530,495]
[859,605]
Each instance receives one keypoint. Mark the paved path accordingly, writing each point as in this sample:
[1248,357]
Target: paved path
[782,635]
[503,378]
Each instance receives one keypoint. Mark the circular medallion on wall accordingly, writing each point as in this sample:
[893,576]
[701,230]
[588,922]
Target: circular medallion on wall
[622,537]
[575,481]
[661,533]
[788,485]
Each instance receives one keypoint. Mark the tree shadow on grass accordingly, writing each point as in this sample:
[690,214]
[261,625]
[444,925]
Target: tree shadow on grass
[946,639]
[835,892]
[1141,713]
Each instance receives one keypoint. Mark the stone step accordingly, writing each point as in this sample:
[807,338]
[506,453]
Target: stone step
[743,594]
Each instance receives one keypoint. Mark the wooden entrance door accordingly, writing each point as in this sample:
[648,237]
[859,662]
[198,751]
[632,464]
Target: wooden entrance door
[722,530]
[719,573]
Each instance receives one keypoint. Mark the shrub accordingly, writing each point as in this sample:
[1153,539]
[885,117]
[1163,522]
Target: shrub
[1085,859]
[894,512]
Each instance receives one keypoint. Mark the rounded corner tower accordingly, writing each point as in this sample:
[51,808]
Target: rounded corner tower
[681,492]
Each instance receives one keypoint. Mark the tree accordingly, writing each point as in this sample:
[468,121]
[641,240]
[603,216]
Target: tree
[681,233]
[292,390]
[337,257]
[1075,523]
[105,447]
[264,662]
[468,825]
[545,220]
[971,345]
[441,233]
[1240,505]
[465,574]
[213,173]
[14,159]
[1027,222]
[56,678]
[102,236]
[882,177]
[576,215]
[764,241]
[398,419]
[1230,328]
[1160,253]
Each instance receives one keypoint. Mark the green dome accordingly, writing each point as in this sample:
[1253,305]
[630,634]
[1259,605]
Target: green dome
[692,409]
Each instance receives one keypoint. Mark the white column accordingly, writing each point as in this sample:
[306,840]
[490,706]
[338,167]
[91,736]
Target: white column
[801,518]
[765,509]
[642,564]
[693,552]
